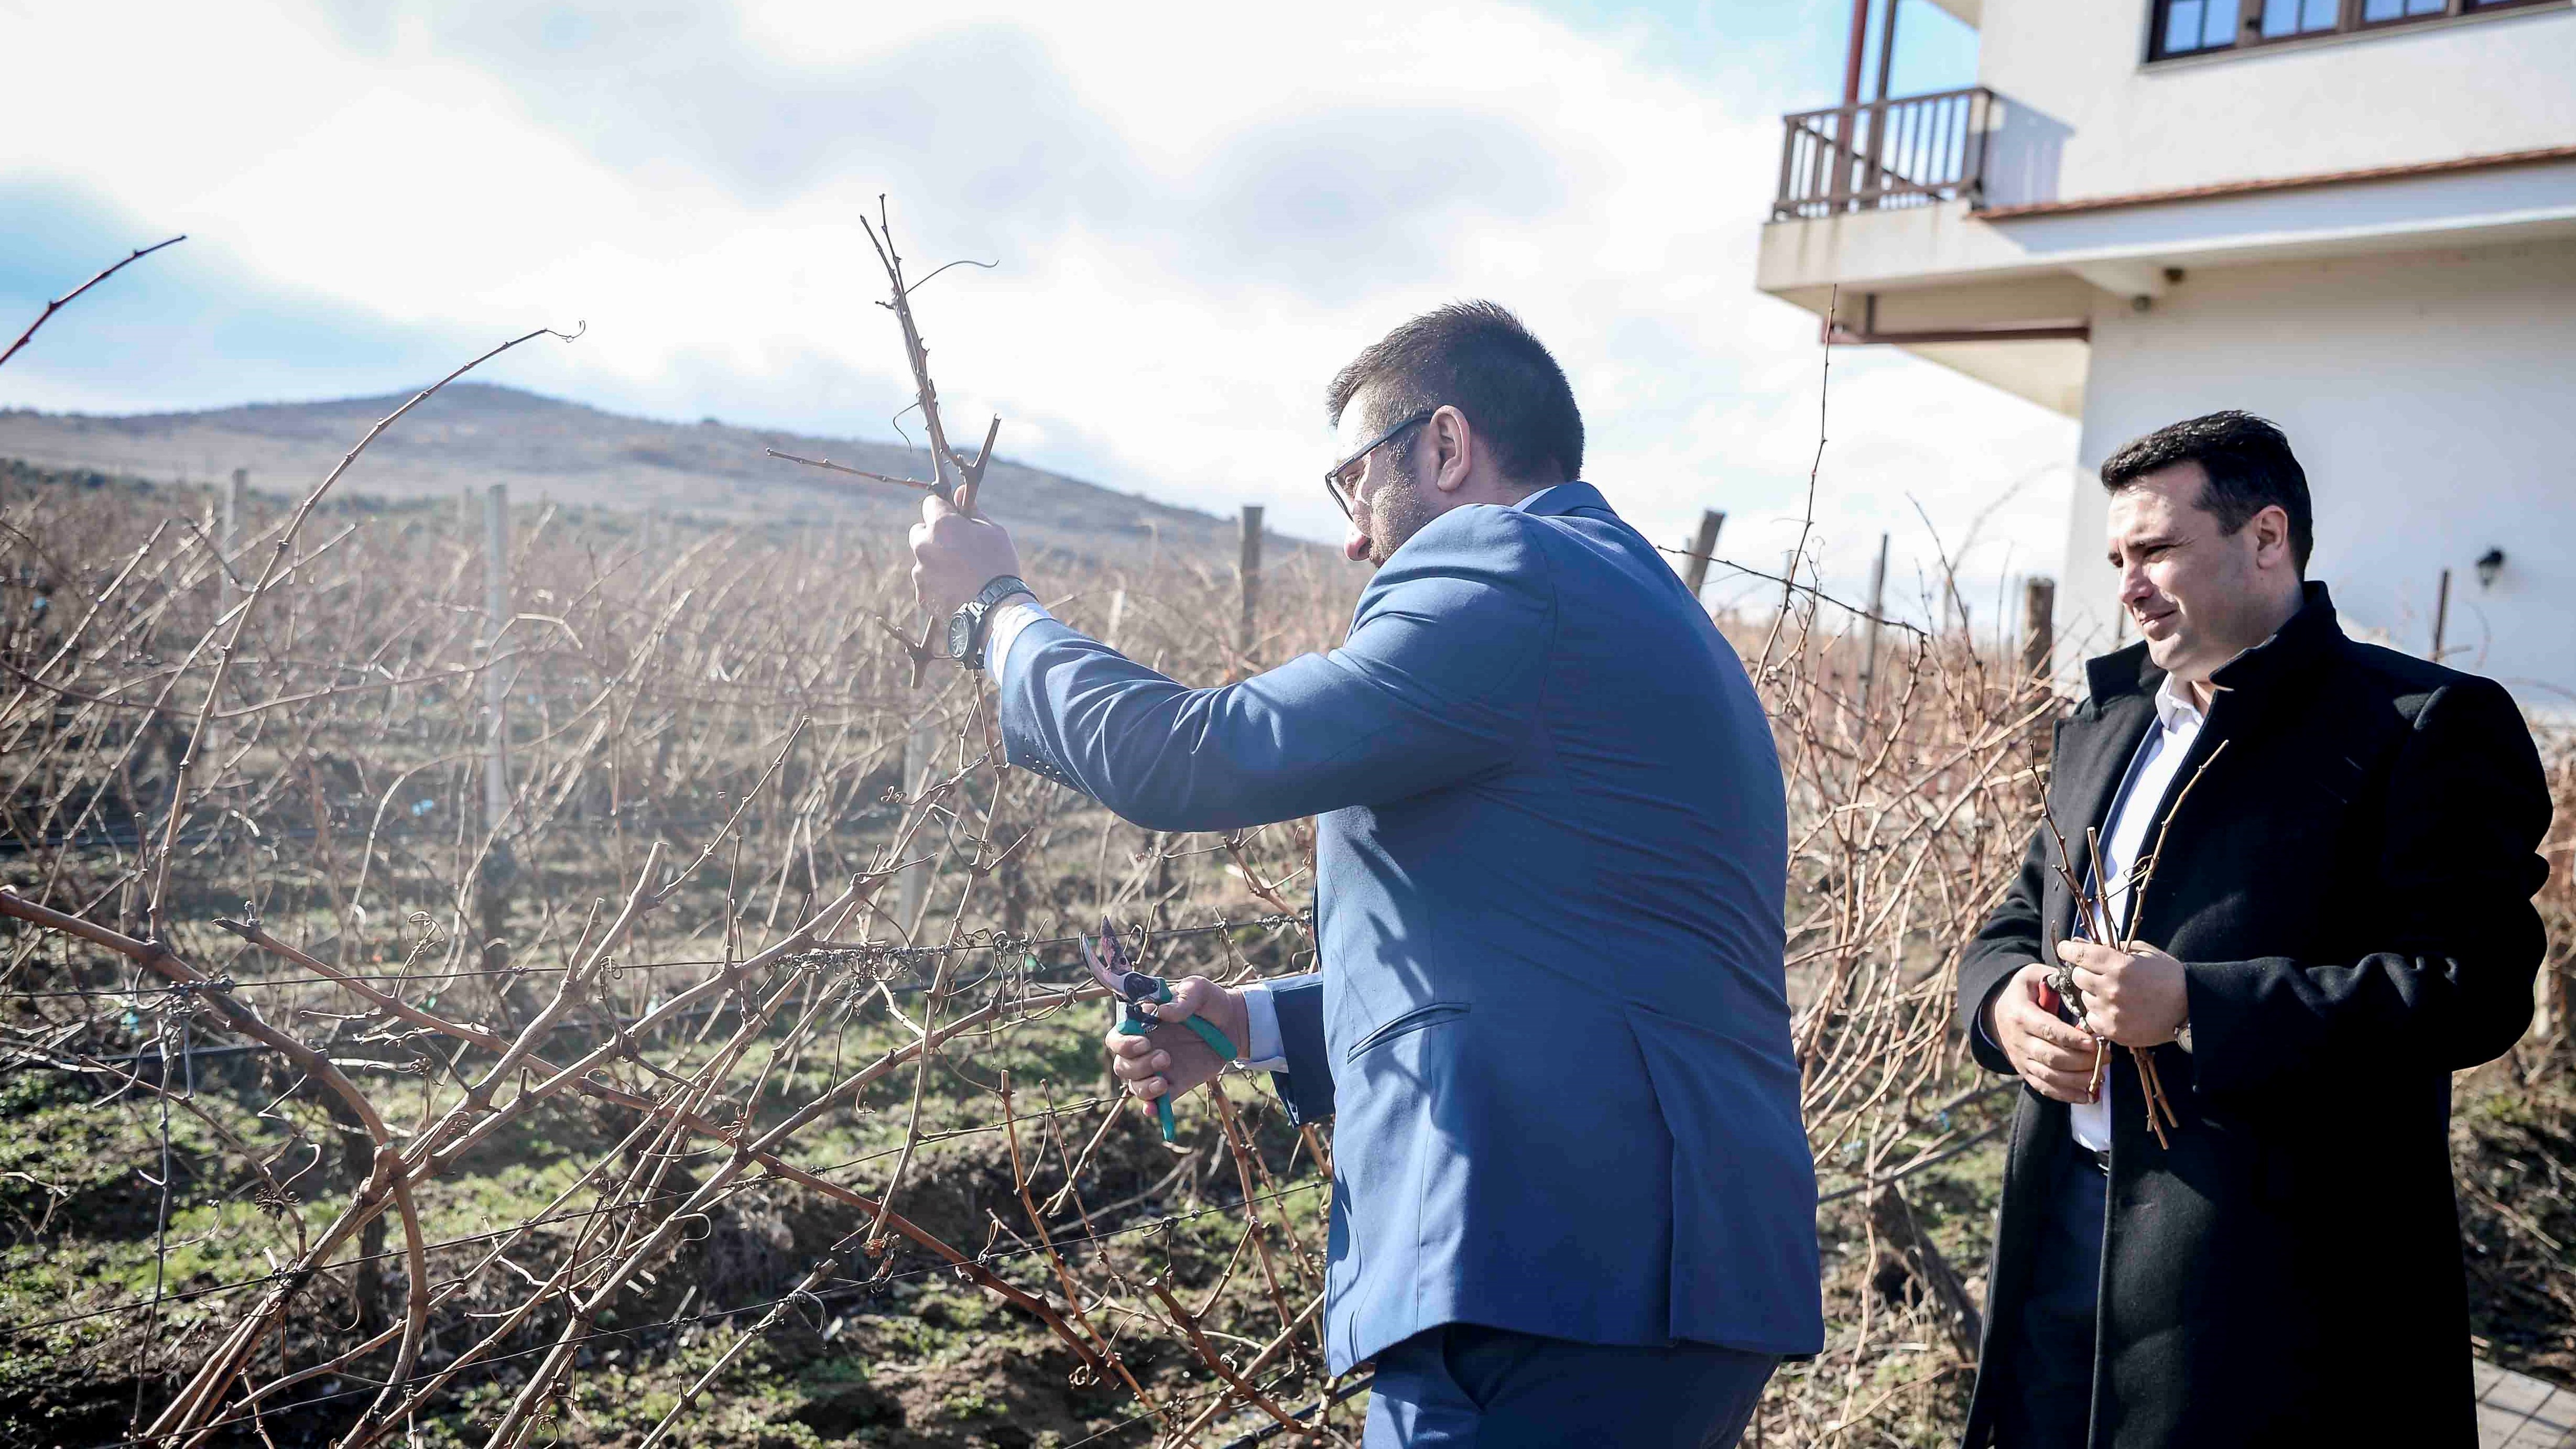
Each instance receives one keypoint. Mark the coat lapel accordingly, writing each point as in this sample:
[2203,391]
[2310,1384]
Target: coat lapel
[2094,752]
[2093,755]
[2250,690]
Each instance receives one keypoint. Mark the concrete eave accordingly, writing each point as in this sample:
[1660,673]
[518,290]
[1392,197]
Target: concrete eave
[1942,271]
[2116,246]
[2050,373]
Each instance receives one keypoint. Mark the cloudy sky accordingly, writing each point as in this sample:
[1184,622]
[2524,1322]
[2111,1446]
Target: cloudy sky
[1198,212]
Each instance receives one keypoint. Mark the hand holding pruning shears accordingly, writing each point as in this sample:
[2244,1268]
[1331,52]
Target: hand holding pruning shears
[2055,1056]
[1173,1036]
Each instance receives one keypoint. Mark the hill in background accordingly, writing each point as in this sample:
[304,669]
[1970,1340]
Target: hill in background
[474,434]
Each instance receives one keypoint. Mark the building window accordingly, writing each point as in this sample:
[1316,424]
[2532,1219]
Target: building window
[2196,27]
[2282,19]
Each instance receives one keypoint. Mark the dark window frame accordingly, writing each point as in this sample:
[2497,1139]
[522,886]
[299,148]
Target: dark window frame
[2348,21]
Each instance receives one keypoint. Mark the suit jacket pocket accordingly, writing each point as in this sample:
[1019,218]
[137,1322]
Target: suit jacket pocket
[1430,1013]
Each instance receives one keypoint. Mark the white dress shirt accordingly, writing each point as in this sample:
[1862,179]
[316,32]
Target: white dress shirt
[2125,839]
[1010,616]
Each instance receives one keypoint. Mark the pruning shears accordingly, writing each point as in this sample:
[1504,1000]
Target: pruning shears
[1110,967]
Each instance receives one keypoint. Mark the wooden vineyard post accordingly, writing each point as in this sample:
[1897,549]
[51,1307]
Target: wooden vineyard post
[2038,627]
[920,752]
[1702,549]
[498,865]
[1249,571]
[236,516]
[1869,635]
[496,690]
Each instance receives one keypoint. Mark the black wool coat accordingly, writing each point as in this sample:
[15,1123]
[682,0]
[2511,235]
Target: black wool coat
[2349,889]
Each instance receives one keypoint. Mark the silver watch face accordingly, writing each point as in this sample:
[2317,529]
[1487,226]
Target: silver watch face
[961,633]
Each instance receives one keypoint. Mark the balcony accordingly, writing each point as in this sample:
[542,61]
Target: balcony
[1883,155]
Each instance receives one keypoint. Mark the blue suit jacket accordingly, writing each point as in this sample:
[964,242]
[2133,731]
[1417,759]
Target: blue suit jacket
[1551,1018]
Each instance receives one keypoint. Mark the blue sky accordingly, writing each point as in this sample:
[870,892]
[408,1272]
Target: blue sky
[1199,212]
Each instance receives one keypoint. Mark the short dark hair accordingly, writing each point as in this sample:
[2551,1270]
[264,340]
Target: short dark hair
[2249,464]
[1478,358]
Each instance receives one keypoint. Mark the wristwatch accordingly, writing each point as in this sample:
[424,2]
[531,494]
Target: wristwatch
[966,626]
[2182,1036]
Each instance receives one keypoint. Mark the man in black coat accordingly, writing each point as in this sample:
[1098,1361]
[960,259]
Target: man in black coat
[2317,857]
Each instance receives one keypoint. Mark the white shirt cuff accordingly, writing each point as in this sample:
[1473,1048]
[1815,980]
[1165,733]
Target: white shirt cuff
[1263,1052]
[1002,630]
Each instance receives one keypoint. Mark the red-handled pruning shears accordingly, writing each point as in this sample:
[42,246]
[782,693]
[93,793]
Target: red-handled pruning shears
[1109,966]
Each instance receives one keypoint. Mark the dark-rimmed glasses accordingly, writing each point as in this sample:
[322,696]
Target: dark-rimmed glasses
[1342,480]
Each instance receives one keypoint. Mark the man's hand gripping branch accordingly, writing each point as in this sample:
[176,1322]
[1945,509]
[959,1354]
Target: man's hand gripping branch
[954,555]
[2132,998]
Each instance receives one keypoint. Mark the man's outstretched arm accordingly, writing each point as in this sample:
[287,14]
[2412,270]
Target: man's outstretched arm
[1434,686]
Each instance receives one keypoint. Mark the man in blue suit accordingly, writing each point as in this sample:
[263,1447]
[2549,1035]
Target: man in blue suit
[1572,1198]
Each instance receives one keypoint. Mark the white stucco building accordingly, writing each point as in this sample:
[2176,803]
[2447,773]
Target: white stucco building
[2355,217]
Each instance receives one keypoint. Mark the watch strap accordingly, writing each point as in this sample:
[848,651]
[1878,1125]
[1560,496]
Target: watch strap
[999,589]
[979,614]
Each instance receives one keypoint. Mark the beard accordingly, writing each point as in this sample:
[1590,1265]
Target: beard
[1395,515]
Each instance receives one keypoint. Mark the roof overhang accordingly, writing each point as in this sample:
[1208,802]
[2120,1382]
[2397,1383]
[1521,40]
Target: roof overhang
[2000,294]
[2026,335]
[2475,201]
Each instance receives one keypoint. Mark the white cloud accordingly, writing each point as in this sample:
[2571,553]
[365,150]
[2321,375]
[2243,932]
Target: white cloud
[1200,212]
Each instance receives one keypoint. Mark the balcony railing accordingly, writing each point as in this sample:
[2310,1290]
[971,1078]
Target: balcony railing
[1910,151]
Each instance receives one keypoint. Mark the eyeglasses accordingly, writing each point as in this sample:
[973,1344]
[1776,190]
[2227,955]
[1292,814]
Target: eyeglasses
[1342,480]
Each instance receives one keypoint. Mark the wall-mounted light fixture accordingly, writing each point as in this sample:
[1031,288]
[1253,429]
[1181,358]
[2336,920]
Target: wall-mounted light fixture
[2490,564]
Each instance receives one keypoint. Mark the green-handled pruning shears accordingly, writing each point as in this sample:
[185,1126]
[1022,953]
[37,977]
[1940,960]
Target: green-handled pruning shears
[1108,963]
